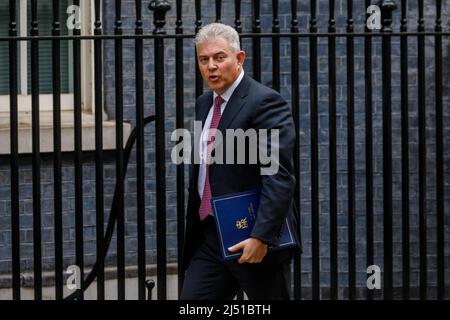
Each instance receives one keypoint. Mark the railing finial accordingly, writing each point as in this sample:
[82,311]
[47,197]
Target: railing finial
[149,284]
[159,8]
[387,6]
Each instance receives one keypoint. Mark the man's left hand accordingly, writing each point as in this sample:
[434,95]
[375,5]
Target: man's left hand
[253,250]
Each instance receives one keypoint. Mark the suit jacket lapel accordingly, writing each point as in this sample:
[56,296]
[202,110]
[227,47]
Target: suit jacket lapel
[204,109]
[235,104]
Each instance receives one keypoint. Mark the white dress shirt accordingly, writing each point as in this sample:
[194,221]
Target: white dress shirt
[204,137]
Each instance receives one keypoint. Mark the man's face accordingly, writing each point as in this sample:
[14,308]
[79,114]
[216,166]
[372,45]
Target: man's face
[218,64]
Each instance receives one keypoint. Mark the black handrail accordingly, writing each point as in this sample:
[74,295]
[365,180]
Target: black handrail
[113,214]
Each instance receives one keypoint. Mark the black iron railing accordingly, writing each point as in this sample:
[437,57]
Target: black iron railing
[122,155]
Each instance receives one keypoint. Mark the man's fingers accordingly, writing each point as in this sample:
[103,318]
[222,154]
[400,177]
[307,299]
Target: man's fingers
[237,247]
[251,252]
[244,258]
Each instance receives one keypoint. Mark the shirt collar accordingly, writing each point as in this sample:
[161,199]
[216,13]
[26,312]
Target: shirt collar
[227,94]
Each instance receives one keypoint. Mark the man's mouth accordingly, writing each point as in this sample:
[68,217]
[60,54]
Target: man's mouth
[213,78]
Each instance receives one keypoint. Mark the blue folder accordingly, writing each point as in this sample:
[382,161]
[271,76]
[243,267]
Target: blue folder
[235,216]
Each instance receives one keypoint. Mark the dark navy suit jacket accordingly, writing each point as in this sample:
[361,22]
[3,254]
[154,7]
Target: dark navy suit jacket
[252,105]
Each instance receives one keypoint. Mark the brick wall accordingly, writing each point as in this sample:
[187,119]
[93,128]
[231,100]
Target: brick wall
[189,97]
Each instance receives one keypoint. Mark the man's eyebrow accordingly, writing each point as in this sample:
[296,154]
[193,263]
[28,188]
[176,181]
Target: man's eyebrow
[214,54]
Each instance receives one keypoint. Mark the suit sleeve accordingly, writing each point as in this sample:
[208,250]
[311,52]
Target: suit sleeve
[277,188]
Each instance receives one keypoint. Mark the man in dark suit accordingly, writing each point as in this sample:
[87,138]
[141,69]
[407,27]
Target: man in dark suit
[237,102]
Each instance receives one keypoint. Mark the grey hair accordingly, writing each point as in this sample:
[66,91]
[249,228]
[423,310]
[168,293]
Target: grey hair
[219,30]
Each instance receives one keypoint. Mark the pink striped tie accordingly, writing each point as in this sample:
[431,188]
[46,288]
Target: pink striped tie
[205,205]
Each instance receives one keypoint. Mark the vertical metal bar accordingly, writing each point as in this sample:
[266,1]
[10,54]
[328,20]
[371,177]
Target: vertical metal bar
[405,151]
[422,154]
[295,97]
[387,8]
[237,20]
[314,155]
[57,159]
[78,156]
[159,11]
[238,27]
[351,153]
[439,157]
[275,47]
[140,169]
[198,25]
[218,11]
[237,16]
[98,74]
[368,146]
[332,152]
[23,52]
[256,41]
[37,249]
[118,57]
[14,157]
[180,125]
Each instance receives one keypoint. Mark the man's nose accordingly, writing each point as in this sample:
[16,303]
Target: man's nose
[211,64]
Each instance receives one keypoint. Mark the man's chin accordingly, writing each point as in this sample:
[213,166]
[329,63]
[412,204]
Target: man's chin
[215,87]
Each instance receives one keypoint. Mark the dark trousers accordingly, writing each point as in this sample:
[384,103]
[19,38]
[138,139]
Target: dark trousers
[208,277]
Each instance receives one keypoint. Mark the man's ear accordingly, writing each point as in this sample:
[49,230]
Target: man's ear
[240,57]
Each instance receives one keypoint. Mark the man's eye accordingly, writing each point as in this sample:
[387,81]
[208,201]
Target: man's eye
[220,58]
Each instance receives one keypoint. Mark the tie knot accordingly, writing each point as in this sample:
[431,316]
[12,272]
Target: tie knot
[218,101]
